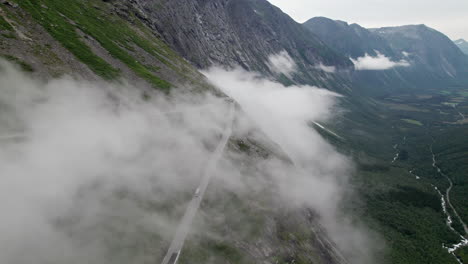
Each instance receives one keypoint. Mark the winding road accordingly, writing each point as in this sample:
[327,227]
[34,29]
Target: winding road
[183,229]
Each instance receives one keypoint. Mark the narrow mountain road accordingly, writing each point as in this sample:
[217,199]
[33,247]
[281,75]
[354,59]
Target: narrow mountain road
[183,229]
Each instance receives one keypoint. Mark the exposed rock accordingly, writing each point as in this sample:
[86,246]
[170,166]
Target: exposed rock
[236,33]
[9,3]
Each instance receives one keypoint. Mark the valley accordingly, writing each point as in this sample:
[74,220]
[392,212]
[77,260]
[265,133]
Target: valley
[433,115]
[224,131]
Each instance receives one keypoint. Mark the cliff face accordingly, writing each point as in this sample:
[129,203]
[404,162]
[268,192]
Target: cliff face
[351,40]
[236,33]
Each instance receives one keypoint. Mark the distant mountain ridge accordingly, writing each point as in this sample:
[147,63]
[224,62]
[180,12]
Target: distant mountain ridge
[433,58]
[427,47]
[350,39]
[462,44]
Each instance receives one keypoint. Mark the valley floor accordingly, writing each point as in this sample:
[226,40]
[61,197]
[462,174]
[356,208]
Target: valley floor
[415,191]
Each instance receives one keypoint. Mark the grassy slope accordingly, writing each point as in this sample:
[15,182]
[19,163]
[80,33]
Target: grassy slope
[4,25]
[63,18]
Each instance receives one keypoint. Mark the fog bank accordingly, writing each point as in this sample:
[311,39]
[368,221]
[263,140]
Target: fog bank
[97,173]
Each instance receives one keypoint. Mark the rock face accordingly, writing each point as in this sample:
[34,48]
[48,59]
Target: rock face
[433,59]
[463,45]
[351,40]
[236,32]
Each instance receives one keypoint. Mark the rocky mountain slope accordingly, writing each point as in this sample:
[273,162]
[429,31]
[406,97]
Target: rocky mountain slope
[103,41]
[236,33]
[159,45]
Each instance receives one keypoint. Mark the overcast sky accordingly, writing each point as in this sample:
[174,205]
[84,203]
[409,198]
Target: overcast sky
[448,16]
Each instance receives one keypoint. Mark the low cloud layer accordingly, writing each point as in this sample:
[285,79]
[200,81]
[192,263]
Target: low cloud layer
[282,63]
[320,175]
[377,63]
[329,69]
[96,173]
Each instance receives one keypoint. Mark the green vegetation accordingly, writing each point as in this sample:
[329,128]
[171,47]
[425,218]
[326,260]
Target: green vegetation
[463,254]
[4,25]
[407,213]
[24,66]
[9,35]
[64,20]
[405,210]
[7,28]
[47,55]
[54,21]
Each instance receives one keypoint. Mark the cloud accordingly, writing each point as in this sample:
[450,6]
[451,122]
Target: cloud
[282,63]
[320,174]
[329,69]
[97,173]
[92,163]
[377,63]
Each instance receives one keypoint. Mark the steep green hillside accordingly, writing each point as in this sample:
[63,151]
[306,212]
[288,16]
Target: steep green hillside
[97,37]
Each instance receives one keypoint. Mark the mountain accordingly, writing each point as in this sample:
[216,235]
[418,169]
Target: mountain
[463,45]
[427,48]
[55,38]
[233,33]
[430,58]
[401,126]
[351,40]
[148,45]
